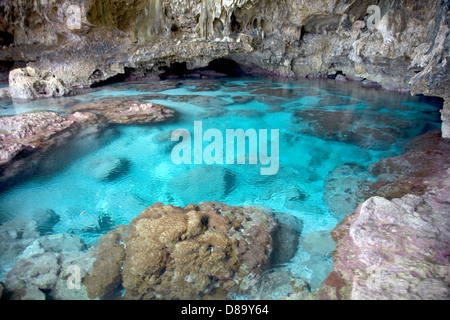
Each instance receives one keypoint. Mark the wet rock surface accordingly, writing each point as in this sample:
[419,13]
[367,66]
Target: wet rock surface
[393,249]
[168,252]
[419,169]
[43,270]
[125,111]
[395,245]
[446,119]
[23,138]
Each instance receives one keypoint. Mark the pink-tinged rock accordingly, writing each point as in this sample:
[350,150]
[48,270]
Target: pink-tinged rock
[127,111]
[418,170]
[396,244]
[28,131]
[23,138]
[393,249]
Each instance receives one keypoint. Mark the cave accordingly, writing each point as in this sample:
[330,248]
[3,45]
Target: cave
[218,67]
[175,70]
[98,74]
[6,38]
[226,66]
[359,122]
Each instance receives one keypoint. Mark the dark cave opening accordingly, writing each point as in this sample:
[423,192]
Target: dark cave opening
[175,70]
[222,67]
[226,66]
[6,38]
[121,77]
[5,68]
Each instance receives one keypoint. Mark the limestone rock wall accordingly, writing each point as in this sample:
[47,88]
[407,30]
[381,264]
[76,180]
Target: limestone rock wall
[86,41]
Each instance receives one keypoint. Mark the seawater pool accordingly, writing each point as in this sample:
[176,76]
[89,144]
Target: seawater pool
[322,125]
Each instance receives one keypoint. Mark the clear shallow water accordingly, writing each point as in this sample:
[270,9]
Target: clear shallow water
[323,125]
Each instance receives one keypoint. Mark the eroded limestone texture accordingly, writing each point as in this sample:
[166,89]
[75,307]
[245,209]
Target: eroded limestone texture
[405,50]
[28,84]
[196,252]
[393,250]
[446,119]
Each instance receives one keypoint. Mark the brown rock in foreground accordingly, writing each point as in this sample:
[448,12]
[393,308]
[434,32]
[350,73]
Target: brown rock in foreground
[196,252]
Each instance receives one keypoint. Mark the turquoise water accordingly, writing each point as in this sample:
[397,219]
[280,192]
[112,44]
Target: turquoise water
[323,125]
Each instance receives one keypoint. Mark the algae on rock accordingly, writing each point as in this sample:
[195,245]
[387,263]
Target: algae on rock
[197,252]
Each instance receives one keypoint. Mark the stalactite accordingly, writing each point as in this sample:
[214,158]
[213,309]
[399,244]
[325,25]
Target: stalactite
[151,24]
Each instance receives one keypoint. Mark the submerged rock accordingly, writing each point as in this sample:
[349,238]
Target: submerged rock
[43,270]
[108,168]
[4,93]
[158,86]
[278,92]
[23,138]
[15,235]
[46,220]
[188,186]
[242,99]
[196,252]
[126,111]
[201,101]
[285,238]
[345,188]
[349,127]
[419,169]
[318,243]
[276,284]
